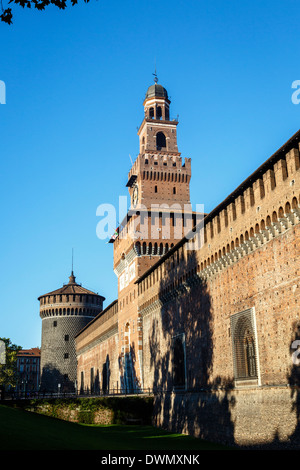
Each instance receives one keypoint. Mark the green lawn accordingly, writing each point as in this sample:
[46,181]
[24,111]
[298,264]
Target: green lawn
[23,430]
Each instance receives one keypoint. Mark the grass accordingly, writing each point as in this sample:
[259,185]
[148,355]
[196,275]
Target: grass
[23,430]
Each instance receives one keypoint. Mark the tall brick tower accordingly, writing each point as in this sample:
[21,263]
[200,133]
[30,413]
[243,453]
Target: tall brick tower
[64,313]
[160,212]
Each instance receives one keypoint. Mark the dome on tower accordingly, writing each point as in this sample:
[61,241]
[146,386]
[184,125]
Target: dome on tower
[71,288]
[156,90]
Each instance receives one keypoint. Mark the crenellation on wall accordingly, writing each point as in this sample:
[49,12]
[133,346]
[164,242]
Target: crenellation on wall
[240,205]
[223,219]
[249,198]
[280,169]
[292,161]
[259,190]
[231,210]
[269,181]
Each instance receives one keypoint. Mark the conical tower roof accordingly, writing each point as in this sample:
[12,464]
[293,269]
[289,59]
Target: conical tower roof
[71,288]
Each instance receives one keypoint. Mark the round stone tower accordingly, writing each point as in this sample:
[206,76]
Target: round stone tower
[64,312]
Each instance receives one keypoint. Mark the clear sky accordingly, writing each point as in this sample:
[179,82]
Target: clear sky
[75,83]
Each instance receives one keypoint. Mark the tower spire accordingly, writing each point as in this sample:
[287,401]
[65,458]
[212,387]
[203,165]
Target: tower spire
[72,277]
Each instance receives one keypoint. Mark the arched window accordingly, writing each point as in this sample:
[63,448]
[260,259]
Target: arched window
[138,248]
[287,208]
[244,347]
[294,203]
[158,112]
[160,141]
[151,113]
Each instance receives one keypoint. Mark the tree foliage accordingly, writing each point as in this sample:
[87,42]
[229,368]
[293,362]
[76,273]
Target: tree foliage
[8,369]
[7,15]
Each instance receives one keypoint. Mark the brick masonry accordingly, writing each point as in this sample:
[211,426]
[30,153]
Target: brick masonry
[196,293]
[212,323]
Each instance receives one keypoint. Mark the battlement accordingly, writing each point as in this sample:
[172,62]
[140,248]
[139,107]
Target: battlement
[159,167]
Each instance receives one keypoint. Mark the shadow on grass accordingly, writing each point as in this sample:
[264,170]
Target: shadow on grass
[23,430]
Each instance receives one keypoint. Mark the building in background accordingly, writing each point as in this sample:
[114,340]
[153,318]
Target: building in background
[28,370]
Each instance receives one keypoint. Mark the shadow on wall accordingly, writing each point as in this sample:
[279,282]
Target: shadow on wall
[189,398]
[294,382]
[130,382]
[106,375]
[181,350]
[53,381]
[99,380]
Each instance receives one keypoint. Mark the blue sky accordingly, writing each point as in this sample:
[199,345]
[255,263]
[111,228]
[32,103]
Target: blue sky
[75,84]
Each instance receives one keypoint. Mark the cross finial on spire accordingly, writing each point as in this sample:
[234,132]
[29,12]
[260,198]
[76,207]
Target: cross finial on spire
[72,277]
[155,75]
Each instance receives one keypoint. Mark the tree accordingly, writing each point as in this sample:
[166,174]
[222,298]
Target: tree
[7,15]
[8,367]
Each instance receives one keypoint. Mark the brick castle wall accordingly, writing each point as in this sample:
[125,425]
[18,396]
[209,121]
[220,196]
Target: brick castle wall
[244,267]
[249,261]
[97,349]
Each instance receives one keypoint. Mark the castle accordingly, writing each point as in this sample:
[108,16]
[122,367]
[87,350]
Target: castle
[207,311]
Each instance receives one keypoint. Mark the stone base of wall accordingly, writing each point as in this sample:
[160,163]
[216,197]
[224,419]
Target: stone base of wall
[96,410]
[264,417]
[102,416]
